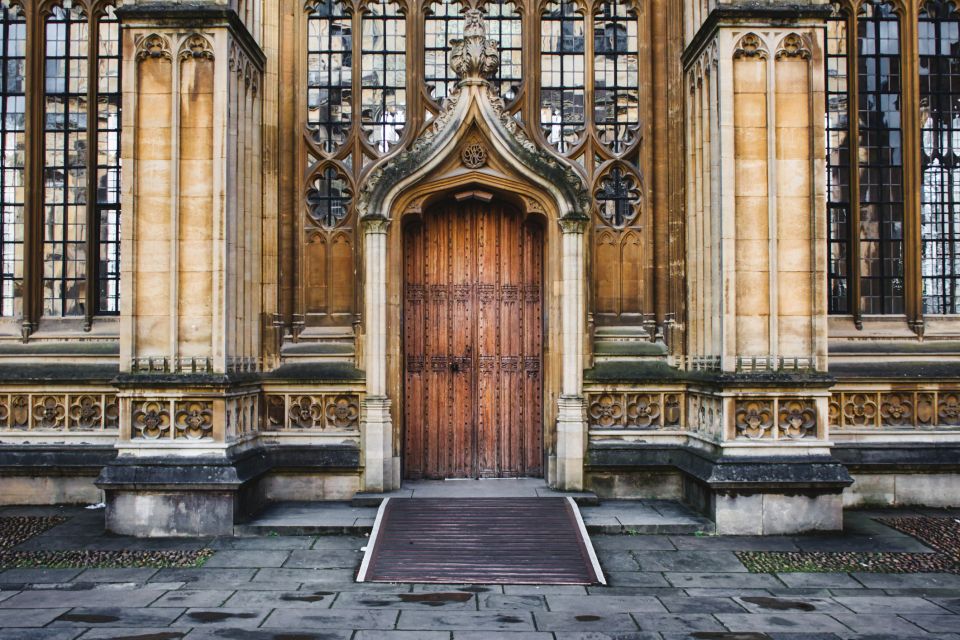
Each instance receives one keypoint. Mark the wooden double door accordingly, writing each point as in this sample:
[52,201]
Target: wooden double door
[473,342]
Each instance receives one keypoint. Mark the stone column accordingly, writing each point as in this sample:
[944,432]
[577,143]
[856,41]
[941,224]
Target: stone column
[571,409]
[376,428]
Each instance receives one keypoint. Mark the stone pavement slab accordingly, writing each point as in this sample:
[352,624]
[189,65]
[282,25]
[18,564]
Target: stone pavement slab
[605,621]
[117,617]
[466,621]
[222,617]
[248,558]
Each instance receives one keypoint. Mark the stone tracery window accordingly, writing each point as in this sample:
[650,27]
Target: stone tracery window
[505,25]
[616,101]
[327,199]
[562,74]
[12,159]
[443,23]
[329,73]
[383,103]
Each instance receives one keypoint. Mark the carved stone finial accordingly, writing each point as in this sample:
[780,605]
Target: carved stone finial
[474,57]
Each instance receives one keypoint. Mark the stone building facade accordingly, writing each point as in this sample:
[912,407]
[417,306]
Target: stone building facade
[265,250]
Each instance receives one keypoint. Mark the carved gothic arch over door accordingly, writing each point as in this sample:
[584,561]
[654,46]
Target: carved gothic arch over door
[475,147]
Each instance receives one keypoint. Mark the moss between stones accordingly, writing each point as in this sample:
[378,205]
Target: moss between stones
[17,529]
[91,559]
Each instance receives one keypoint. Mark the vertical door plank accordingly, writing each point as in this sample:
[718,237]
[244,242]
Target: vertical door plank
[533,347]
[414,350]
[511,344]
[462,277]
[488,241]
[436,391]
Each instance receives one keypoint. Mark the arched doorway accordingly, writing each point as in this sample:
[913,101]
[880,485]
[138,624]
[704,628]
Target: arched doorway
[473,341]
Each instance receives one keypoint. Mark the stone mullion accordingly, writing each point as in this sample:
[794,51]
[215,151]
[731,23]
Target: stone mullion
[912,180]
[658,48]
[93,46]
[33,173]
[853,137]
[288,143]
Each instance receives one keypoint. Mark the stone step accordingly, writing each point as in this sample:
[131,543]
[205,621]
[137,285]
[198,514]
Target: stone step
[370,499]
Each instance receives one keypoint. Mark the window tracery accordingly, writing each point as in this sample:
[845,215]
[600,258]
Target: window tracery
[383,103]
[562,74]
[12,158]
[329,73]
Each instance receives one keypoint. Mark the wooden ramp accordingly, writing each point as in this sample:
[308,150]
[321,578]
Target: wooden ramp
[480,541]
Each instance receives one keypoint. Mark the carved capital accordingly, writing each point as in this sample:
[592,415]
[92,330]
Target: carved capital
[375,225]
[573,225]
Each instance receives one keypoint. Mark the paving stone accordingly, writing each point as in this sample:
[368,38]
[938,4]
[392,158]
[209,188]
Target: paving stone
[600,635]
[878,624]
[40,634]
[632,543]
[533,589]
[922,592]
[116,575]
[829,580]
[29,617]
[734,543]
[890,604]
[720,561]
[861,543]
[618,561]
[590,619]
[312,619]
[458,600]
[804,593]
[305,575]
[117,617]
[782,621]
[136,633]
[952,604]
[32,575]
[324,559]
[604,604]
[232,633]
[192,598]
[724,580]
[247,558]
[935,623]
[313,599]
[232,585]
[701,605]
[341,542]
[222,617]
[502,635]
[698,592]
[909,580]
[40,598]
[198,574]
[662,622]
[636,579]
[466,620]
[466,588]
[512,603]
[603,590]
[771,604]
[273,543]
[403,635]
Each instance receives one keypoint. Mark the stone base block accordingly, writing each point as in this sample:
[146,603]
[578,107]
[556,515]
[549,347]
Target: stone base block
[776,514]
[903,490]
[308,487]
[654,484]
[170,513]
[22,490]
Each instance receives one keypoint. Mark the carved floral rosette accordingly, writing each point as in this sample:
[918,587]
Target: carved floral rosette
[338,412]
[895,409]
[635,410]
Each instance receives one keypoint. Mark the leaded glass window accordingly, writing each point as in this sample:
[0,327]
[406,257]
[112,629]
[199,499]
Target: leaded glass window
[13,158]
[65,163]
[617,198]
[562,74]
[383,107]
[881,159]
[505,25]
[939,39]
[616,100]
[443,23]
[329,73]
[838,164]
[109,57]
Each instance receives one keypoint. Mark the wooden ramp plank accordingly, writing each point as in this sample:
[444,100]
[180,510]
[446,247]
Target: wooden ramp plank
[480,541]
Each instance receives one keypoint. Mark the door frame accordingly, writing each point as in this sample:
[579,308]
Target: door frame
[526,217]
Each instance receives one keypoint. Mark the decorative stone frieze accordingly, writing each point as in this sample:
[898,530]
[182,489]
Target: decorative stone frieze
[635,410]
[304,412]
[900,409]
[777,418]
[58,411]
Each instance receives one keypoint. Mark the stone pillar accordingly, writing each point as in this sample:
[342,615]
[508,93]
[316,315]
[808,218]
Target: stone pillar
[571,408]
[376,428]
[756,257]
[190,317]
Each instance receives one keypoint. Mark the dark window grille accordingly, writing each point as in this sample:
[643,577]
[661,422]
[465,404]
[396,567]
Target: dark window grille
[562,74]
[383,105]
[939,39]
[12,160]
[329,73]
[616,103]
